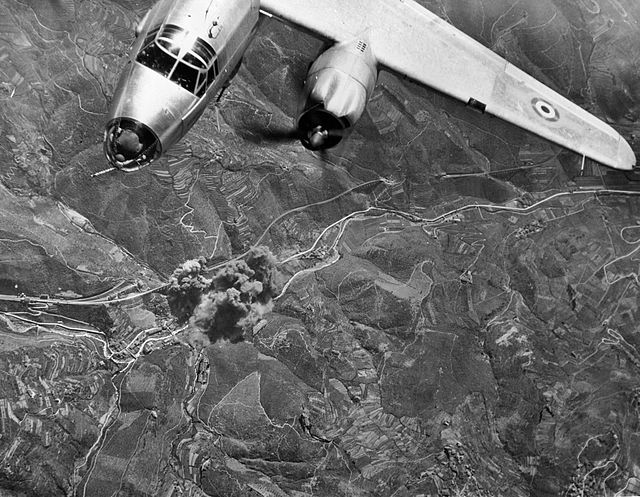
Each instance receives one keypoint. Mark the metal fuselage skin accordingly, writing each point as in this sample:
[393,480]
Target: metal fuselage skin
[338,86]
[184,54]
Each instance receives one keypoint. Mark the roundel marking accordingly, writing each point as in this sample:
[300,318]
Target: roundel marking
[545,110]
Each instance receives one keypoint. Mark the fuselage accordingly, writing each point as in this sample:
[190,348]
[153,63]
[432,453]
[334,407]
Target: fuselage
[187,50]
[184,54]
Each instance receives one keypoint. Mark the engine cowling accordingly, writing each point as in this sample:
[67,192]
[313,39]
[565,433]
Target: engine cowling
[337,89]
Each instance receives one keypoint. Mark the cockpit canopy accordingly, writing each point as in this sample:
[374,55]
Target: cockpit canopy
[186,60]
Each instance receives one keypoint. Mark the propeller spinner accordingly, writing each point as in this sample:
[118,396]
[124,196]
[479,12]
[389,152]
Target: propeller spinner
[317,130]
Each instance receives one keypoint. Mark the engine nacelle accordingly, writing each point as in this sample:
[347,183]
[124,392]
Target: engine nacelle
[338,87]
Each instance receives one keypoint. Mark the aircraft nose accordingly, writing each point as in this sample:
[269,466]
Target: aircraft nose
[130,144]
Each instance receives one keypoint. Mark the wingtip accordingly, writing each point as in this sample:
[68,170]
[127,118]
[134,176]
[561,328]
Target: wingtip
[626,159]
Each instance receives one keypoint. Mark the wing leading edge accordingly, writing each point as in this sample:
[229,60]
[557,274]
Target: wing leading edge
[410,40]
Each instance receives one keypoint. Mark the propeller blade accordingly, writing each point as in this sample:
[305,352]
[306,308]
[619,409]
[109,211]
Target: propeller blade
[337,132]
[273,135]
[315,139]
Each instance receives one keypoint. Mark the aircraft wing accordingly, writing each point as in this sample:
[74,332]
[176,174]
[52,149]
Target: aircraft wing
[410,40]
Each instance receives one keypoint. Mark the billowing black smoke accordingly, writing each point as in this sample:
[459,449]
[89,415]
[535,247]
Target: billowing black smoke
[262,262]
[186,287]
[229,304]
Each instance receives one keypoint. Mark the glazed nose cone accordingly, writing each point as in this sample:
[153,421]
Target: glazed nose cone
[130,143]
[127,145]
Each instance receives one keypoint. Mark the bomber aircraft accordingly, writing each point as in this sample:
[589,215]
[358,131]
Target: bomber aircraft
[186,51]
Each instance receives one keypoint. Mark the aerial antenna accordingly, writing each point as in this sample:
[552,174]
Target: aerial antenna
[105,171]
[206,12]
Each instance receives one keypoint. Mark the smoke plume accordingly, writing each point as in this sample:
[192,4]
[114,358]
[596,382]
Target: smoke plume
[186,286]
[229,304]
